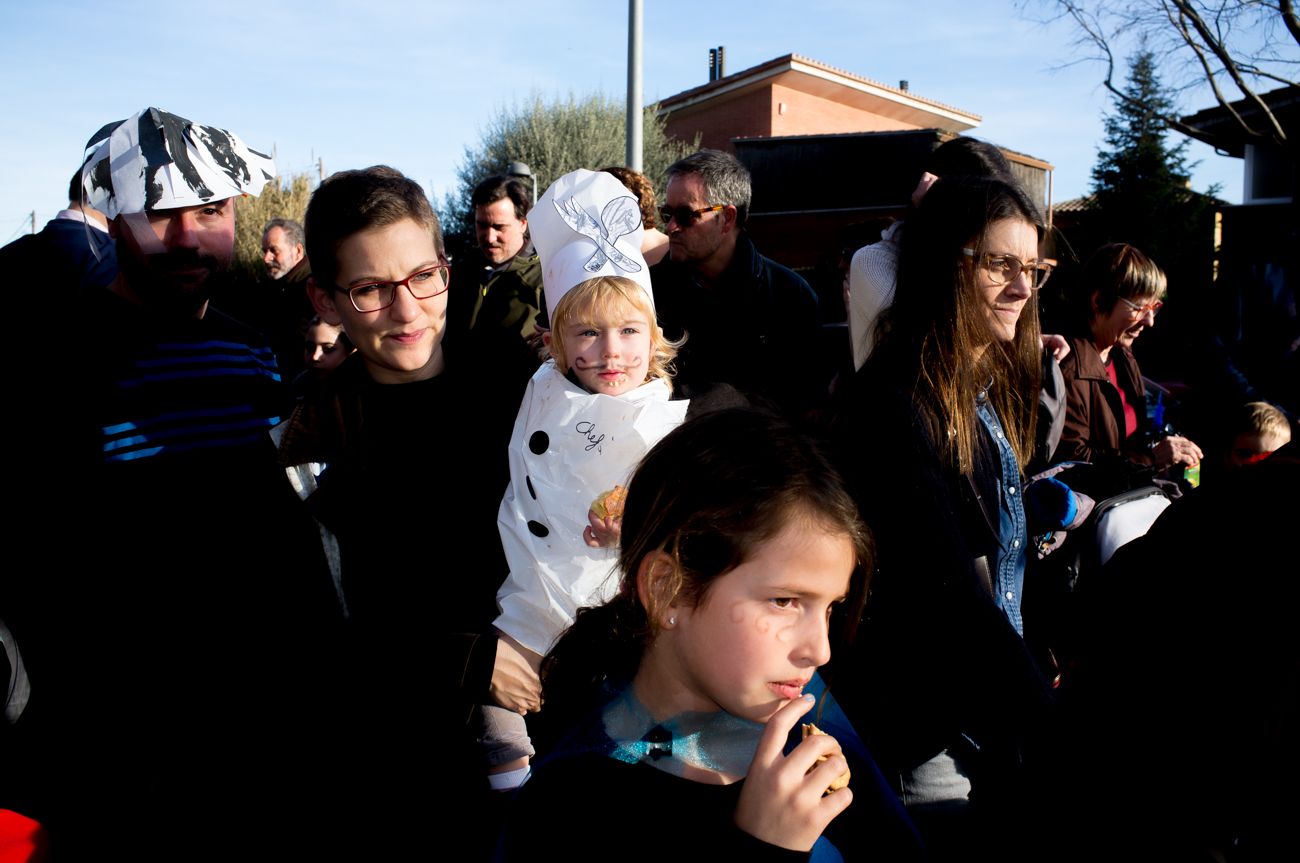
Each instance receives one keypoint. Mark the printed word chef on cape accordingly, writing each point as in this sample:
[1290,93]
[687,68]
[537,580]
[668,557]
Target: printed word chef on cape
[570,445]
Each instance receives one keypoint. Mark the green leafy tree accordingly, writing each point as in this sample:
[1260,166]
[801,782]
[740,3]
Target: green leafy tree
[553,138]
[283,198]
[1141,190]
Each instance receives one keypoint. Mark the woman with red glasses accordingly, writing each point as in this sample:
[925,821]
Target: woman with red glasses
[1105,401]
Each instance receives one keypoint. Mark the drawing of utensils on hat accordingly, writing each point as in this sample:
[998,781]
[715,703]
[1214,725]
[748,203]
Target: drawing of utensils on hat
[621,217]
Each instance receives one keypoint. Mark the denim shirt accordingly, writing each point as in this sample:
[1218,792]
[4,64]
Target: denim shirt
[1009,573]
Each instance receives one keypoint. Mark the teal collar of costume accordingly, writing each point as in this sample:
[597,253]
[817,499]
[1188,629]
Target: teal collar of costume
[714,741]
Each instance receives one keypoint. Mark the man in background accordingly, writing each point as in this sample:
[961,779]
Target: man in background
[284,251]
[73,246]
[749,321]
[497,292]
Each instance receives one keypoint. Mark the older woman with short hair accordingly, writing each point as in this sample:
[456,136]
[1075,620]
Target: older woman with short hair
[1120,292]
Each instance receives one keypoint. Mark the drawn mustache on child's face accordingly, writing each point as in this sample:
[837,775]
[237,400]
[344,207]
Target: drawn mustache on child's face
[580,365]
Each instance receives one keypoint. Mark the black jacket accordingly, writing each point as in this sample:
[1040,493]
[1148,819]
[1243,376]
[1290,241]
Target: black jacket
[935,662]
[756,329]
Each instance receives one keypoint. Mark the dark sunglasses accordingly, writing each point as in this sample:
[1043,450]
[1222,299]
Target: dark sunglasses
[685,216]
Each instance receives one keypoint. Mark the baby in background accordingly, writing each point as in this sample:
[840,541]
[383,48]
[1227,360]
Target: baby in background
[1260,429]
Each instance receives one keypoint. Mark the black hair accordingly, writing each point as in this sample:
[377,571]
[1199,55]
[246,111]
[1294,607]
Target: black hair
[499,188]
[969,157]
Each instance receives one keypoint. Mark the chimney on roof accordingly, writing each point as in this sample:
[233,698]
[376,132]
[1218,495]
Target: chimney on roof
[902,85]
[717,63]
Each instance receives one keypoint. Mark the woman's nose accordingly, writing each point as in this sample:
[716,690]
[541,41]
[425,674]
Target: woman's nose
[405,306]
[1023,284]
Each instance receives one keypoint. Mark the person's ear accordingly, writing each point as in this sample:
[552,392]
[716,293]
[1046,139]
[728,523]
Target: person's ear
[729,215]
[657,586]
[323,301]
[1096,306]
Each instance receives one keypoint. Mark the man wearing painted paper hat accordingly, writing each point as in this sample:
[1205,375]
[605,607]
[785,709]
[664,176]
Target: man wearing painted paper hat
[168,187]
[588,416]
[180,604]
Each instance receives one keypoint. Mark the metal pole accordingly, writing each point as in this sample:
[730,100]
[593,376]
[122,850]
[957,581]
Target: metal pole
[634,112]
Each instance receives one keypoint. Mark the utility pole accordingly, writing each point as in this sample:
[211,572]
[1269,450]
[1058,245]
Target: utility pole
[634,111]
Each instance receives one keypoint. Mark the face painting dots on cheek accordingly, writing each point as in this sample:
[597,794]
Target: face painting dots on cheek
[764,624]
[785,634]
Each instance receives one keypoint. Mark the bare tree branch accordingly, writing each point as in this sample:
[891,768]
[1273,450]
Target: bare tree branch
[1188,13]
[1289,18]
[1181,24]
[1232,38]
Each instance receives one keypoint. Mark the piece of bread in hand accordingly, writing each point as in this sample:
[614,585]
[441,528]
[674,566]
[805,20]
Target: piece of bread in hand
[809,730]
[609,504]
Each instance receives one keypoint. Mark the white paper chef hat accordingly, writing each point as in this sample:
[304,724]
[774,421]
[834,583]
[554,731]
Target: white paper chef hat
[587,224]
[157,160]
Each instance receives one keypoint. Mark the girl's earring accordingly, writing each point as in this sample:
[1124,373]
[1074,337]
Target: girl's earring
[672,621]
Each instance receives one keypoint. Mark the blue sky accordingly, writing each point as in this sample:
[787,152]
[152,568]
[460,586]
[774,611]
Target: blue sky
[411,84]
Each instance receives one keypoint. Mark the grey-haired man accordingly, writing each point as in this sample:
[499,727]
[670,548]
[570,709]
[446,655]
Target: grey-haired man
[750,322]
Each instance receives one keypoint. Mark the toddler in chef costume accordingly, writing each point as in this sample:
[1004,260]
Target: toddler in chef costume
[588,416]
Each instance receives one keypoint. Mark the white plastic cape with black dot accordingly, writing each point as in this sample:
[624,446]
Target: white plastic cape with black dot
[568,446]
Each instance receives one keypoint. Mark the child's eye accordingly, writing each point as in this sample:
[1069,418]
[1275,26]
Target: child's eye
[782,601]
[587,334]
[630,331]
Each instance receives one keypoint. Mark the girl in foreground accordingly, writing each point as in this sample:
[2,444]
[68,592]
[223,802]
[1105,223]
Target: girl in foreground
[674,700]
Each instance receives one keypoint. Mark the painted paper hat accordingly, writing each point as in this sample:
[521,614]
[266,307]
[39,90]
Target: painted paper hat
[587,224]
[155,160]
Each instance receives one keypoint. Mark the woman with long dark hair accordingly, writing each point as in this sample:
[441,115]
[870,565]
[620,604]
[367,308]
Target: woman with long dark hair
[933,445]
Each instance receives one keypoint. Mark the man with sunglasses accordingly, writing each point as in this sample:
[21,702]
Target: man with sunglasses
[749,321]
[410,455]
